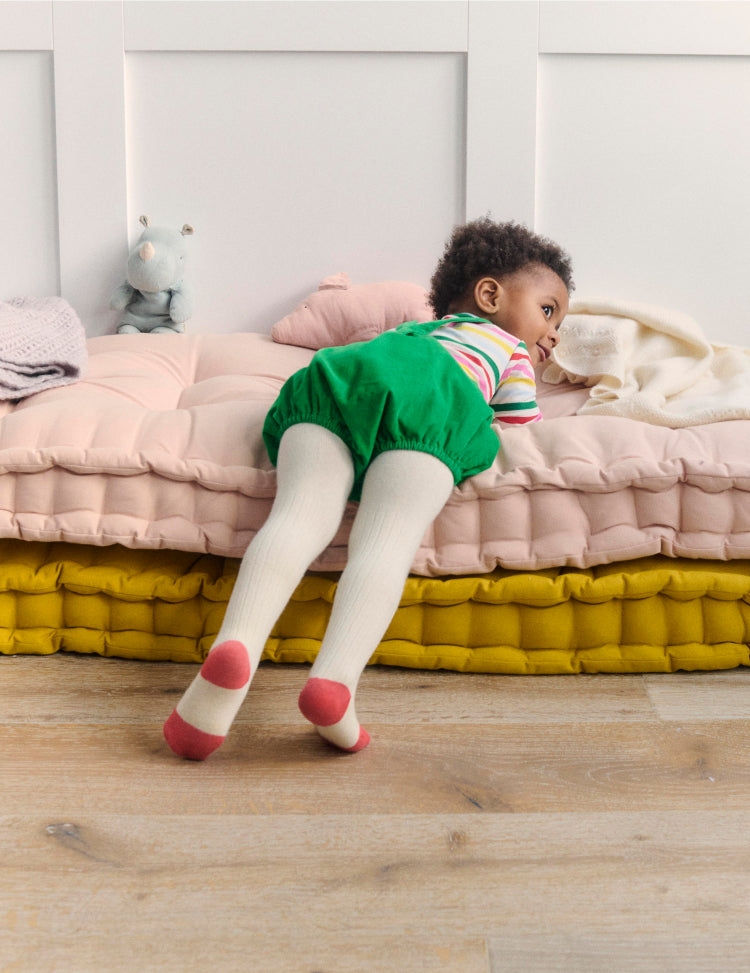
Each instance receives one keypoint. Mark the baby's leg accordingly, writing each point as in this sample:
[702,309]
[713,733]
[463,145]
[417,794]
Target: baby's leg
[402,494]
[315,477]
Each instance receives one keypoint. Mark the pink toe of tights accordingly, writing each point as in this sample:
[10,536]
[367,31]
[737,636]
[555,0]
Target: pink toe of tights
[188,741]
[364,739]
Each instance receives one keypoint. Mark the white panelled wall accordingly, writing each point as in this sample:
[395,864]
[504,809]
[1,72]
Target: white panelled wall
[302,138]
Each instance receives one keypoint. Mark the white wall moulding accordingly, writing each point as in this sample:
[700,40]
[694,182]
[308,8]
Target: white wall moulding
[26,26]
[641,151]
[642,173]
[501,110]
[91,135]
[28,198]
[304,137]
[29,261]
[678,27]
[294,166]
[295,25]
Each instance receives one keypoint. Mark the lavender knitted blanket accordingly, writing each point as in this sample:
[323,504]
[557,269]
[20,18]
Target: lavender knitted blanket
[42,345]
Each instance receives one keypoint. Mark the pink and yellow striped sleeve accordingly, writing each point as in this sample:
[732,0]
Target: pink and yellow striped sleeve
[514,402]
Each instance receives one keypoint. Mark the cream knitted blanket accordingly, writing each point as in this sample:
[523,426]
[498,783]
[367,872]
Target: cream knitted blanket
[42,345]
[649,363]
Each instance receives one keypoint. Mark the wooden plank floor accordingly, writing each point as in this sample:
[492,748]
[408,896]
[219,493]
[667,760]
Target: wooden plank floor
[574,823]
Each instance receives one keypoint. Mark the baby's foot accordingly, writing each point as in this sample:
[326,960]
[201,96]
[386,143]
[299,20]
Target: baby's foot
[328,706]
[205,713]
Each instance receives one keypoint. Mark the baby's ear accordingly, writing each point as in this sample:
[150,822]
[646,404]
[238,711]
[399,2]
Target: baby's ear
[488,294]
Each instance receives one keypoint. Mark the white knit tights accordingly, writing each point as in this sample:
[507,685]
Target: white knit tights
[403,492]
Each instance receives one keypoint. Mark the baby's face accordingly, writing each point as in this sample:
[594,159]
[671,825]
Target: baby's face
[531,306]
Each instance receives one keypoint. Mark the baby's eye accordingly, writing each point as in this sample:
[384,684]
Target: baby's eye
[548,309]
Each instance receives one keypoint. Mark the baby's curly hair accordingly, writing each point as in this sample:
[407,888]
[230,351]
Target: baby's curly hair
[484,248]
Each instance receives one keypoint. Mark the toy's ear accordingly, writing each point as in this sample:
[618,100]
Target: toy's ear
[187,230]
[145,220]
[337,282]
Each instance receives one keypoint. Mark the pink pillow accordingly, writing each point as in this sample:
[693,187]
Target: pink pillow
[338,314]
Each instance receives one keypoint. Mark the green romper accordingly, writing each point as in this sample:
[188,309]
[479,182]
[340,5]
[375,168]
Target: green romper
[401,390]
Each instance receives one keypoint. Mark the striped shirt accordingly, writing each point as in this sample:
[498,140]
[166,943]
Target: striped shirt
[496,361]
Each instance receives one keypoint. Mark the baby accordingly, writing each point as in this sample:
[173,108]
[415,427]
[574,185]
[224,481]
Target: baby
[393,423]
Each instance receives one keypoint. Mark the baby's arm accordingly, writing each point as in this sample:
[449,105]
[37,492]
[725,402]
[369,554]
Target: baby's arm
[514,402]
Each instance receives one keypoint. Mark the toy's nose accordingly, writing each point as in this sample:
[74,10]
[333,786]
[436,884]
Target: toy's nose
[147,251]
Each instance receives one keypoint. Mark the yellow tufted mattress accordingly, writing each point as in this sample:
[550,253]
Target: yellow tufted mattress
[650,615]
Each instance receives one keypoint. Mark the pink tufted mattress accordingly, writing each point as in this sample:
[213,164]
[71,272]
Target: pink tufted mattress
[160,447]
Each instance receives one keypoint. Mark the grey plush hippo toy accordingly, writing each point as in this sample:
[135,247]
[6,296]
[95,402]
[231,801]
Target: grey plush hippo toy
[155,296]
